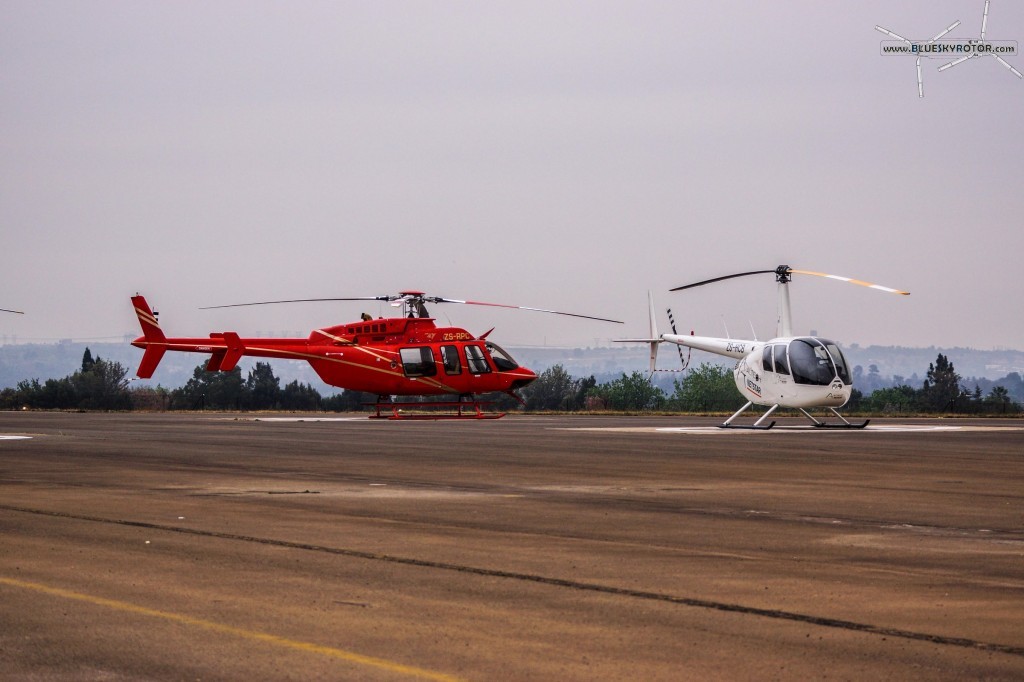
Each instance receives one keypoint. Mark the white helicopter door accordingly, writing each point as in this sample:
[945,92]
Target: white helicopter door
[775,376]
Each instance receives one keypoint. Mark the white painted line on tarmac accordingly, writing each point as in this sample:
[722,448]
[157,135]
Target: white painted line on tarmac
[15,437]
[717,430]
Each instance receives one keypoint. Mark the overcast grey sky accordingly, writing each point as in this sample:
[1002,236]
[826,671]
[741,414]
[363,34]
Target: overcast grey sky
[566,155]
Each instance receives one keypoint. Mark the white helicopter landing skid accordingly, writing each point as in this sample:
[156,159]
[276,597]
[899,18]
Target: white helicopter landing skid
[794,372]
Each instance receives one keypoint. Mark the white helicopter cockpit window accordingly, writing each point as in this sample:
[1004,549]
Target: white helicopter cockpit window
[781,363]
[842,369]
[476,361]
[502,360]
[418,362]
[766,359]
[811,363]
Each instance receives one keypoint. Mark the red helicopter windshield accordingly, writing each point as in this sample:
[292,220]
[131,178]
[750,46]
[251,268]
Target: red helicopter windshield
[502,360]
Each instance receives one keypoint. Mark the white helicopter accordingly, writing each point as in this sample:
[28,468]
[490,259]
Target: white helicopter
[796,372]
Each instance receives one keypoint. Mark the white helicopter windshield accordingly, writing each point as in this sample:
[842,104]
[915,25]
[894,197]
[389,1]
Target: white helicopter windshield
[842,369]
[817,362]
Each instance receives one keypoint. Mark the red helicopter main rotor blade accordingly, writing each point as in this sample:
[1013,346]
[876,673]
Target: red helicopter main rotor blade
[523,307]
[301,300]
[414,296]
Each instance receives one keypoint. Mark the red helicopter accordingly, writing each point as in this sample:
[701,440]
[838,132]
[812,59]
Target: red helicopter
[393,356]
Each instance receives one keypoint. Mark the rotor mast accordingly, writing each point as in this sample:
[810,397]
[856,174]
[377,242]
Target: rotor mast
[784,323]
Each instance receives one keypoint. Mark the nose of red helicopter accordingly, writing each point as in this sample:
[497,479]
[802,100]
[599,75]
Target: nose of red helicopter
[523,377]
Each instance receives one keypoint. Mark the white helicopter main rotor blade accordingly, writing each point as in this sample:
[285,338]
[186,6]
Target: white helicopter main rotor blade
[879,287]
[920,83]
[955,62]
[984,20]
[1002,61]
[894,35]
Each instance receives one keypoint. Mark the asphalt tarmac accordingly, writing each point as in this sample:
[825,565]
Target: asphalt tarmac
[243,547]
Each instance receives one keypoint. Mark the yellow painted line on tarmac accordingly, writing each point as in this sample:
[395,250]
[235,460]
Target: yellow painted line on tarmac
[297,645]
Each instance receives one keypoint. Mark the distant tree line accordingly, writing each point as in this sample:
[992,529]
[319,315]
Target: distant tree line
[98,385]
[710,388]
[101,385]
[943,391]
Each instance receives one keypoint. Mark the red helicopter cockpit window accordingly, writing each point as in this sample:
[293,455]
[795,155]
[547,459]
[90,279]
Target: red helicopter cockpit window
[418,362]
[476,361]
[502,360]
[811,363]
[450,360]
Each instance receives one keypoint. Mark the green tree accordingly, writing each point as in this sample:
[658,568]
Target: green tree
[211,390]
[296,396]
[53,394]
[262,388]
[707,388]
[632,392]
[583,389]
[148,398]
[895,399]
[553,389]
[998,400]
[856,400]
[101,385]
[348,401]
[942,391]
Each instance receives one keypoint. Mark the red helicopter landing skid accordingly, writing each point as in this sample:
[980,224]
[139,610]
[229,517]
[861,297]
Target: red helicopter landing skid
[397,414]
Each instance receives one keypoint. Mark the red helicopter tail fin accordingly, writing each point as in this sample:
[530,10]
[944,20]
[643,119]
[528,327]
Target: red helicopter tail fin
[234,352]
[154,341]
